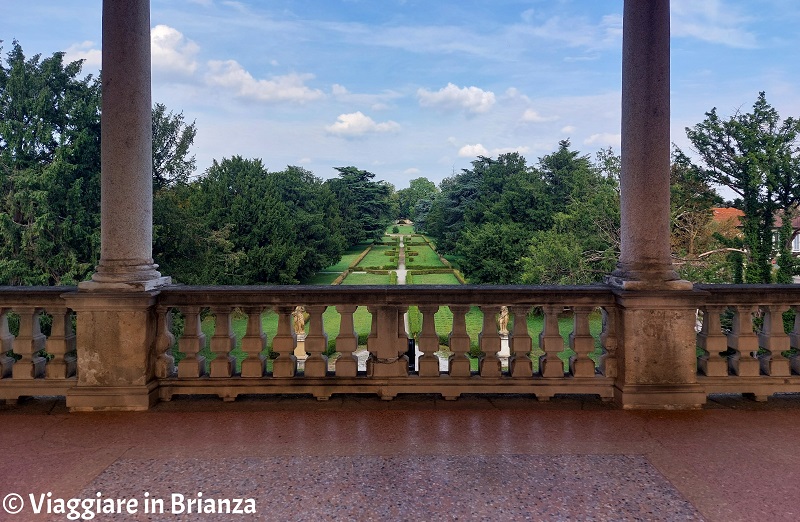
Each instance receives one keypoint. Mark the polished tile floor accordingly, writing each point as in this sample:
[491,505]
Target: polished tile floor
[414,458]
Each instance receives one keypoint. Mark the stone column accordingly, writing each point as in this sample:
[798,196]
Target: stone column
[116,315]
[126,197]
[655,309]
[645,260]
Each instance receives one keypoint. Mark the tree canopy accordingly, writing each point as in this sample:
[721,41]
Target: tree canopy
[756,155]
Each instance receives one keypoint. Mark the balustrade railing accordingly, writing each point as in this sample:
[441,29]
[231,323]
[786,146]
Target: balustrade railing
[743,340]
[473,364]
[32,363]
[748,340]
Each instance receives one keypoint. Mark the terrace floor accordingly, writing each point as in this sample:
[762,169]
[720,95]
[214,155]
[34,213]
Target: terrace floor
[413,458]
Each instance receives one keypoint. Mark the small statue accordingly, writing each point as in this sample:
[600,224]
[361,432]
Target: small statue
[502,321]
[299,317]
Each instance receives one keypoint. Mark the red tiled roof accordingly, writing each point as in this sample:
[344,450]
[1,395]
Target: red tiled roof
[721,215]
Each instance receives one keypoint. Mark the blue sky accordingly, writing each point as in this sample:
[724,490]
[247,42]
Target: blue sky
[410,88]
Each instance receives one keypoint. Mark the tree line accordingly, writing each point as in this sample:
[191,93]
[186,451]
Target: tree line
[503,220]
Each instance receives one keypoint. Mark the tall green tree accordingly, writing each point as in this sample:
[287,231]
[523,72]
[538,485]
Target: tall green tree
[49,170]
[418,189]
[283,226]
[754,154]
[172,139]
[365,206]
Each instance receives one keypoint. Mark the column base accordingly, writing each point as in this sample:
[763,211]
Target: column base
[112,398]
[124,286]
[626,283]
[660,397]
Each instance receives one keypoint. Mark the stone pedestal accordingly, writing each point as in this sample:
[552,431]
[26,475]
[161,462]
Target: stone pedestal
[116,342]
[505,350]
[657,355]
[300,351]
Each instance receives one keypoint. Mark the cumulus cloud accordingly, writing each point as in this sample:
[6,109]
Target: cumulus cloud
[359,124]
[231,75]
[568,129]
[603,138]
[172,52]
[531,116]
[451,97]
[84,51]
[472,151]
[413,171]
[711,21]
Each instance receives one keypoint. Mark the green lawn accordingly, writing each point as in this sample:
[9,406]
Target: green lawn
[404,229]
[377,258]
[426,257]
[362,278]
[435,279]
[347,258]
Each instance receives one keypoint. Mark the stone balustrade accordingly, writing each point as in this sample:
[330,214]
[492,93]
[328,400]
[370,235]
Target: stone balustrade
[742,344]
[743,339]
[32,363]
[387,367]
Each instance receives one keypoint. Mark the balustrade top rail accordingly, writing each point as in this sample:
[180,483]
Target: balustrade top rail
[750,295]
[592,295]
[36,296]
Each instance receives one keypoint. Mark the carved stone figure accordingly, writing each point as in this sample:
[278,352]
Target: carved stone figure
[299,318]
[502,321]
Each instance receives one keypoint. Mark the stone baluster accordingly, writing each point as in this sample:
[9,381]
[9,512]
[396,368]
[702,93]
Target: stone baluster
[459,342]
[6,345]
[713,341]
[428,342]
[191,343]
[372,340]
[223,342]
[489,339]
[253,343]
[582,343]
[283,344]
[388,343]
[316,343]
[520,364]
[346,342]
[61,342]
[28,344]
[608,341]
[745,342]
[794,339]
[165,340]
[773,338]
[552,343]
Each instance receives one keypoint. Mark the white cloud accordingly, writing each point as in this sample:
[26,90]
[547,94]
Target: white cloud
[359,124]
[305,161]
[290,87]
[451,97]
[172,52]
[532,116]
[711,21]
[471,151]
[413,171]
[84,51]
[568,129]
[603,138]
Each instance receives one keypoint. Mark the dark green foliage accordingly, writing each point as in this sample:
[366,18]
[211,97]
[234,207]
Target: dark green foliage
[418,189]
[172,138]
[282,226]
[49,170]
[756,156]
[491,214]
[365,206]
